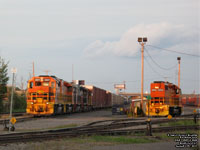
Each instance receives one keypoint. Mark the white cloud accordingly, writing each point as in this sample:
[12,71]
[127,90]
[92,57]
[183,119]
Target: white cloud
[163,34]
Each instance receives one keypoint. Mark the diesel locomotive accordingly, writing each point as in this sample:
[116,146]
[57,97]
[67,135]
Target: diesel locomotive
[47,95]
[165,99]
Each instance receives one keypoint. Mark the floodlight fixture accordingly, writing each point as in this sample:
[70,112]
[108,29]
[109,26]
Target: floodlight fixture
[144,39]
[139,39]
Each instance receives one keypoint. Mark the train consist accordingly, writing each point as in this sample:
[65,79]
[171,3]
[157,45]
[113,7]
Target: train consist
[191,100]
[47,95]
[165,99]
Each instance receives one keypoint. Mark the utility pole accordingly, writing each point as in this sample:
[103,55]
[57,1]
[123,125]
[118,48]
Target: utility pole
[179,70]
[72,72]
[33,70]
[142,42]
[47,72]
[14,71]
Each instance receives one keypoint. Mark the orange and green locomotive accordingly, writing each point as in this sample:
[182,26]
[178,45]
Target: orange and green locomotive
[165,99]
[47,95]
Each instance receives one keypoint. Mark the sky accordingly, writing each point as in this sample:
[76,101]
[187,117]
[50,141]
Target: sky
[99,38]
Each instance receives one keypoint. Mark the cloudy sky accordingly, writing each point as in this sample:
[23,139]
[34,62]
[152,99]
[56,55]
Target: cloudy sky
[99,37]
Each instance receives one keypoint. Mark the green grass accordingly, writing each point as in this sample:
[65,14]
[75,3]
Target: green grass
[122,139]
[180,123]
[114,139]
[165,137]
[88,142]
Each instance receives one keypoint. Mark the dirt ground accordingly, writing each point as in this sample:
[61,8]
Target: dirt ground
[72,120]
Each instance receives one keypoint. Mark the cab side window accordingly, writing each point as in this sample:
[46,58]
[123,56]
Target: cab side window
[31,84]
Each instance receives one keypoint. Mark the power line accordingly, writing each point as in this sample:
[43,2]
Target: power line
[173,51]
[158,64]
[153,68]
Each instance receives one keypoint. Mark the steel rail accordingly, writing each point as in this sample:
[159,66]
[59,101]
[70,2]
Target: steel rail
[49,135]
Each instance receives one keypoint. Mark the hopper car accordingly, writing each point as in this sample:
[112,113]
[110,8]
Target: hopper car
[49,95]
[165,99]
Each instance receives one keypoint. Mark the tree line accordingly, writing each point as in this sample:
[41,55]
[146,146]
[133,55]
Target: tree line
[19,97]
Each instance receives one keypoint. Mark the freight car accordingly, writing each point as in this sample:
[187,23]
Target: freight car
[191,100]
[99,97]
[165,99]
[104,99]
[118,104]
[47,95]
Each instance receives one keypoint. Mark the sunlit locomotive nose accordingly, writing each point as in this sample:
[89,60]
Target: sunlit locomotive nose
[165,99]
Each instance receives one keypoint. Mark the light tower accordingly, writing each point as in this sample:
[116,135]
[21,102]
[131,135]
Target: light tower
[179,70]
[142,42]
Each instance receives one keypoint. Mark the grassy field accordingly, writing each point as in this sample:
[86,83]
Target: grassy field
[115,139]
[89,142]
[181,123]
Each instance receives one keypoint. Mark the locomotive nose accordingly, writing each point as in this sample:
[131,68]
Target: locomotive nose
[157,111]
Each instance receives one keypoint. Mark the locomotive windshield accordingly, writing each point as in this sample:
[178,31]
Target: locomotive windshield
[37,83]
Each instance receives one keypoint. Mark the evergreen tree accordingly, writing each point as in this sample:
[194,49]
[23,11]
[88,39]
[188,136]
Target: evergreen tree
[3,81]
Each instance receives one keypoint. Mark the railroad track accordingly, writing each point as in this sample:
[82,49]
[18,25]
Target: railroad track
[126,122]
[30,117]
[188,116]
[24,137]
[111,129]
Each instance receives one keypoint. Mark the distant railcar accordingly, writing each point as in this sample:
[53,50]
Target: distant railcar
[191,100]
[117,100]
[183,101]
[99,97]
[165,99]
[118,104]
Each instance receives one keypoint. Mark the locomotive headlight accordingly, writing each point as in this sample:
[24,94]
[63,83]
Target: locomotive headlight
[47,103]
[32,103]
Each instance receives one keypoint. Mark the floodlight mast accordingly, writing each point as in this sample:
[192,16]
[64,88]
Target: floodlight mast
[142,42]
[179,70]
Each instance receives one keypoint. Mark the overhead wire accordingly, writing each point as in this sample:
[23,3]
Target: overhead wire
[157,63]
[153,68]
[173,51]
